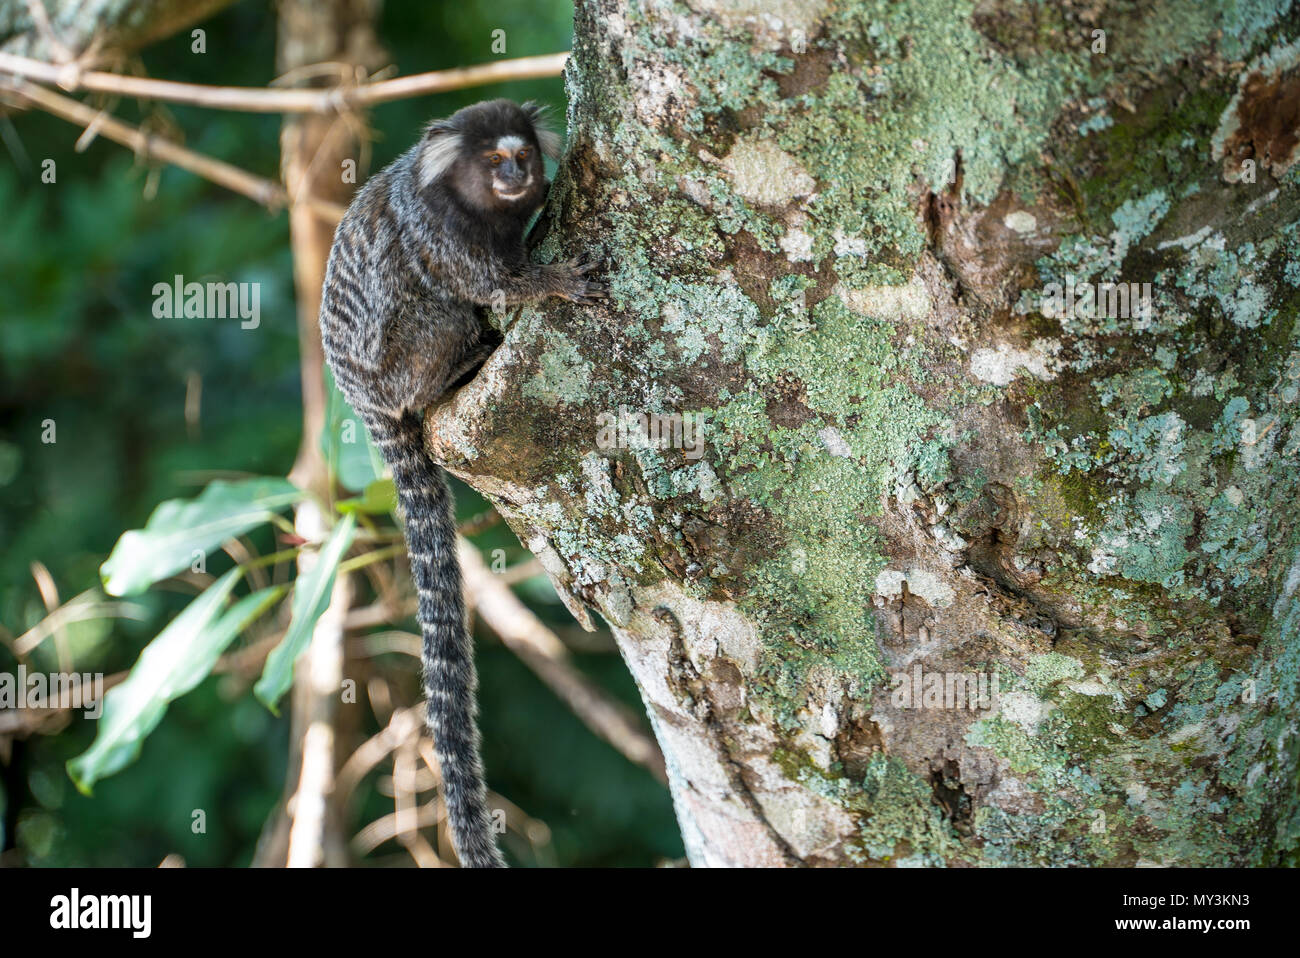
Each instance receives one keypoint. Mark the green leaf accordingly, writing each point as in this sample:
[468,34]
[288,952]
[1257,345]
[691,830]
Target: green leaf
[379,498]
[345,442]
[179,658]
[181,529]
[311,597]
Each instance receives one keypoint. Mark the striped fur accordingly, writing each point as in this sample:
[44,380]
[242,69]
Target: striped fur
[414,262]
[449,677]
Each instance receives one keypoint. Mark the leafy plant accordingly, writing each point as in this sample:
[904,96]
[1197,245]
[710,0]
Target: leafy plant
[311,596]
[181,532]
[179,535]
[177,660]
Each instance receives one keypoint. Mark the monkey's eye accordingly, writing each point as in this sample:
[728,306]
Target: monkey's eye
[496,159]
[522,155]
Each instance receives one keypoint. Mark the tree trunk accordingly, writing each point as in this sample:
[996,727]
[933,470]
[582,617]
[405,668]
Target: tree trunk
[113,27]
[852,238]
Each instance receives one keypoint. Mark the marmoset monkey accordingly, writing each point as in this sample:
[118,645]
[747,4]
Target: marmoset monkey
[426,244]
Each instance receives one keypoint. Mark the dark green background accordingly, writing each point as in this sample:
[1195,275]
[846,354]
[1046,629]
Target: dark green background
[79,345]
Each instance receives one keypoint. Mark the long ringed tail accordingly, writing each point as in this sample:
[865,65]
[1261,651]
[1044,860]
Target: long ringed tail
[449,678]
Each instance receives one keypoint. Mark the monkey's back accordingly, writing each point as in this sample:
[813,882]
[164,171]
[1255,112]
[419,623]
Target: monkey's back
[393,334]
[391,327]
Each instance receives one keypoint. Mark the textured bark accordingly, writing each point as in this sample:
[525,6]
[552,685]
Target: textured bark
[117,26]
[832,229]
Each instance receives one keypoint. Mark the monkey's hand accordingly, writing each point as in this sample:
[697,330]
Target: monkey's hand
[574,284]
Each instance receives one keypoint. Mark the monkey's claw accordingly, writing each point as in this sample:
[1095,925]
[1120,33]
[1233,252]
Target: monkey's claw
[585,290]
[592,292]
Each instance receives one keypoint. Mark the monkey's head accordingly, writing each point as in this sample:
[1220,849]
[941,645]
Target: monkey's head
[490,155]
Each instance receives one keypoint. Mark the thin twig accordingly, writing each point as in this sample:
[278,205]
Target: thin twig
[479,523]
[25,721]
[405,808]
[382,643]
[379,613]
[323,662]
[385,828]
[77,609]
[521,571]
[50,596]
[542,651]
[36,10]
[404,724]
[396,609]
[266,192]
[256,100]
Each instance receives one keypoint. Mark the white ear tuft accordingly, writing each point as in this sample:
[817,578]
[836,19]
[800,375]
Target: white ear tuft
[549,141]
[539,116]
[437,154]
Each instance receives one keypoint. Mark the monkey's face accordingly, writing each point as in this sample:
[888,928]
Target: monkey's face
[513,163]
[509,174]
[490,155]
[501,175]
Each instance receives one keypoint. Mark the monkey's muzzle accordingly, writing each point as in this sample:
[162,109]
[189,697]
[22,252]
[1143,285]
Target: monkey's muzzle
[510,181]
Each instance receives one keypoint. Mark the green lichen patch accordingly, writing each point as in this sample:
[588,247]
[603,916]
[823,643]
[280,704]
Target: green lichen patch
[794,316]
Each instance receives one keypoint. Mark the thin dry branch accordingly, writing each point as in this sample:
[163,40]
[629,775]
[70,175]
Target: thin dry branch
[41,19]
[387,827]
[396,609]
[28,721]
[147,145]
[310,805]
[541,650]
[77,609]
[405,808]
[255,100]
[537,647]
[404,724]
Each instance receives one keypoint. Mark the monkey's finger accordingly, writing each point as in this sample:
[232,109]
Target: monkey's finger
[587,292]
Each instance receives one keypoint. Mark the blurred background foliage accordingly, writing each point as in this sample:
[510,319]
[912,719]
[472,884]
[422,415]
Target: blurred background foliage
[79,345]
